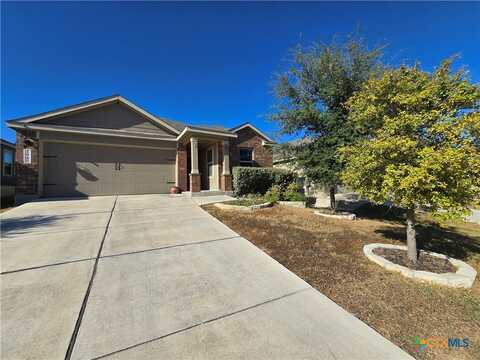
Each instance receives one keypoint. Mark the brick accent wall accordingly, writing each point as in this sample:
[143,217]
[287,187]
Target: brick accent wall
[27,174]
[248,138]
[182,174]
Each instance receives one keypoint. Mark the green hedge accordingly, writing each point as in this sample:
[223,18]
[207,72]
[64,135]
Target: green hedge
[253,180]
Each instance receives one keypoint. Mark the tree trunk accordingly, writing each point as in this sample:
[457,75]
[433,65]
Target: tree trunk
[411,239]
[333,204]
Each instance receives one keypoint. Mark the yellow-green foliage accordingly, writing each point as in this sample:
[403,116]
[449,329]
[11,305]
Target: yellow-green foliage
[422,140]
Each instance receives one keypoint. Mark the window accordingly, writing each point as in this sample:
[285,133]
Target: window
[7,162]
[27,156]
[246,157]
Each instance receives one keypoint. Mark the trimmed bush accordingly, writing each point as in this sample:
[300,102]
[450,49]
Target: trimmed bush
[253,180]
[294,193]
[274,194]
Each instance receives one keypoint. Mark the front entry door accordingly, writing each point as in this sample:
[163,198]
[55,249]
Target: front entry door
[210,169]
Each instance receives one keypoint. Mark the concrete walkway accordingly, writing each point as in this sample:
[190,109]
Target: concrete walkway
[474,217]
[156,277]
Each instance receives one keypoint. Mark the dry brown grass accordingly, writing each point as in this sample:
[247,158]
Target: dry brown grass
[327,253]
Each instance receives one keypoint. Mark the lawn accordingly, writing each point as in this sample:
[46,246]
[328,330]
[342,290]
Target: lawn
[327,253]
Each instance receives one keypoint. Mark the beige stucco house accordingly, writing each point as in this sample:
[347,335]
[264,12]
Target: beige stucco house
[112,146]
[320,192]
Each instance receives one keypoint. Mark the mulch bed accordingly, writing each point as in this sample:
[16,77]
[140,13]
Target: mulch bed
[425,262]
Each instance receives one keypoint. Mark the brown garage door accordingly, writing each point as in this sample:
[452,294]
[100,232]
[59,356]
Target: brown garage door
[77,170]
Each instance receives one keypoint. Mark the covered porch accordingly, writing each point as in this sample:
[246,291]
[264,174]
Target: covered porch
[203,161]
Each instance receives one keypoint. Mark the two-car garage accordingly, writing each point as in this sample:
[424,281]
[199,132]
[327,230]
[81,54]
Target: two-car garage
[75,169]
[106,146]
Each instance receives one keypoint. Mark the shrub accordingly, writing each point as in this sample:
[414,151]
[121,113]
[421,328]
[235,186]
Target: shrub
[294,193]
[274,194]
[284,178]
[254,196]
[250,180]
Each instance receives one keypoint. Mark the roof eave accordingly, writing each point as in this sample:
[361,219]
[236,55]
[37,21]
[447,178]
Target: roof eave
[17,125]
[189,130]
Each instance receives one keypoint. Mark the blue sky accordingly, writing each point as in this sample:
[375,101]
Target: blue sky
[203,63]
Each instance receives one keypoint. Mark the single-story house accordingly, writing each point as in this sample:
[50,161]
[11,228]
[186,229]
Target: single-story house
[7,169]
[112,146]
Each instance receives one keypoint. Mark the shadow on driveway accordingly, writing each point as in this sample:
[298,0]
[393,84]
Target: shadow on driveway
[26,224]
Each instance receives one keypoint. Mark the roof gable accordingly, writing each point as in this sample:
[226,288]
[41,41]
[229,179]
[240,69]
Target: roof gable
[248,125]
[112,116]
[49,116]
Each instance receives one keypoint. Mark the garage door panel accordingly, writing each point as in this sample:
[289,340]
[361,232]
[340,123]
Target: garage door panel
[74,169]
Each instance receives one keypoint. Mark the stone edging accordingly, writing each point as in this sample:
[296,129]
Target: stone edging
[462,278]
[295,204]
[242,208]
[344,216]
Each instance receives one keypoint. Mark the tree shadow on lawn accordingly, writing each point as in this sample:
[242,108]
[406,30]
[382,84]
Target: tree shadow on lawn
[367,210]
[432,237]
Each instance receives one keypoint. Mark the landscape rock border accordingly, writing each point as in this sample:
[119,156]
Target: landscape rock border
[223,206]
[341,216]
[295,204]
[464,277]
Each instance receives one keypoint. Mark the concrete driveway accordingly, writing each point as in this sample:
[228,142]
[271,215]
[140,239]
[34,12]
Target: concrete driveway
[156,277]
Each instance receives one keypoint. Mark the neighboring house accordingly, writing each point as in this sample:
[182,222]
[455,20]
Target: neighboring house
[8,173]
[111,146]
[283,159]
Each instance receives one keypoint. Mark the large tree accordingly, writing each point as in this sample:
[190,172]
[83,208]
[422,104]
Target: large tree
[422,145]
[312,98]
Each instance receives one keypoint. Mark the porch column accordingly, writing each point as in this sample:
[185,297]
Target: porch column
[194,173]
[226,179]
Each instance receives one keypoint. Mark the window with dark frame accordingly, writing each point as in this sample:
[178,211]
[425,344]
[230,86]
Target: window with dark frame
[7,162]
[246,156]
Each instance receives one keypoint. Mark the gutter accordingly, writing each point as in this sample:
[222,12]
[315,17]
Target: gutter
[85,132]
[208,132]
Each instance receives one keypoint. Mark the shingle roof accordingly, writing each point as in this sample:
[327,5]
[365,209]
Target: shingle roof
[179,125]
[174,124]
